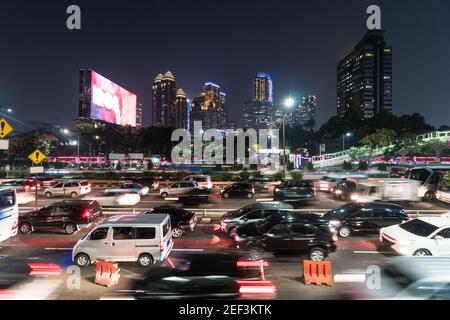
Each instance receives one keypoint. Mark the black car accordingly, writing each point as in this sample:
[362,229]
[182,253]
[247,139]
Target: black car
[182,220]
[151,182]
[238,190]
[343,190]
[260,184]
[195,196]
[295,190]
[198,276]
[369,217]
[293,235]
[70,215]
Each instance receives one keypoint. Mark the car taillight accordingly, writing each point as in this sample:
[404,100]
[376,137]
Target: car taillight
[256,287]
[86,214]
[191,221]
[253,190]
[335,238]
[27,188]
[251,264]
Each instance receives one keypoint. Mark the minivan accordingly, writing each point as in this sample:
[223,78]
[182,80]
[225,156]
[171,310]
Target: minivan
[203,181]
[70,188]
[143,238]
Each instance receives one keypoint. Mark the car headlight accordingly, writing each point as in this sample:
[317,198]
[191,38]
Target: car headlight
[277,189]
[338,192]
[335,223]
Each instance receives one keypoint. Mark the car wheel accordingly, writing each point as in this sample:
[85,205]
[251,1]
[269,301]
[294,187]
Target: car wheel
[48,195]
[345,232]
[422,253]
[231,230]
[249,195]
[177,232]
[82,260]
[226,195]
[255,254]
[25,228]
[164,195]
[74,195]
[343,197]
[145,260]
[317,254]
[70,228]
[429,196]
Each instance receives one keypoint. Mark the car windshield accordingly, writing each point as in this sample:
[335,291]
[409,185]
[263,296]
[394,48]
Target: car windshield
[346,209]
[419,227]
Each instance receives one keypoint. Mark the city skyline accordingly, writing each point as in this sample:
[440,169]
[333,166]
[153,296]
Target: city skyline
[297,69]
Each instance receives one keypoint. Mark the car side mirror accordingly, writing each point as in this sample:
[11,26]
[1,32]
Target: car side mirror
[439,238]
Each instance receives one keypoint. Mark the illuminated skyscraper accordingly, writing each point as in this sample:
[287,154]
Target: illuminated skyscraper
[139,114]
[164,99]
[263,88]
[259,112]
[364,77]
[181,111]
[209,107]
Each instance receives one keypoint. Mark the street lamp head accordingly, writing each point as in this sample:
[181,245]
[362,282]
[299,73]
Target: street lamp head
[9,110]
[66,131]
[348,134]
[289,103]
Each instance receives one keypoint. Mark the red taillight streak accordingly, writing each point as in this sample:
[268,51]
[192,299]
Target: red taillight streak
[244,263]
[170,263]
[257,287]
[44,269]
[161,245]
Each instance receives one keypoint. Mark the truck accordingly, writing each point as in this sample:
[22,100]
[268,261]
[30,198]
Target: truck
[386,190]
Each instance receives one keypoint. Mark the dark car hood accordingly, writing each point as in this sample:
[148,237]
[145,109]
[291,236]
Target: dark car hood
[248,230]
[28,214]
[232,214]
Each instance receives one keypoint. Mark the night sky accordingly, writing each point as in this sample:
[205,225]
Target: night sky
[298,42]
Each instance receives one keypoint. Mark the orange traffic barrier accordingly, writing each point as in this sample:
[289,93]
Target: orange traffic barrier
[317,272]
[106,273]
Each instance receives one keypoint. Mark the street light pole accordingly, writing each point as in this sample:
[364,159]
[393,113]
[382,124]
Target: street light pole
[284,143]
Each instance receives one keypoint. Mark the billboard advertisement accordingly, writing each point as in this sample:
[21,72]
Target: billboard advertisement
[102,99]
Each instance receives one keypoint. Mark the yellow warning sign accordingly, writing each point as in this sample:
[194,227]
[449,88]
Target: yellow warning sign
[37,156]
[5,128]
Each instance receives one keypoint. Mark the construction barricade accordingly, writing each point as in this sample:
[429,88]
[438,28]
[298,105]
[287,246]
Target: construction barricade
[106,273]
[317,272]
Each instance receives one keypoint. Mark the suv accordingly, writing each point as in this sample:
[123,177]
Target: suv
[295,189]
[344,189]
[151,182]
[70,215]
[72,188]
[252,213]
[176,188]
[182,220]
[369,217]
[238,190]
[291,234]
[203,181]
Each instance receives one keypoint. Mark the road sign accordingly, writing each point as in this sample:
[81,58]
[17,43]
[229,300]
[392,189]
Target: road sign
[37,156]
[117,156]
[35,170]
[4,144]
[5,128]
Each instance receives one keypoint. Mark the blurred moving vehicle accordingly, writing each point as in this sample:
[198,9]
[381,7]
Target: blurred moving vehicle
[143,238]
[23,185]
[177,188]
[260,183]
[344,190]
[326,183]
[72,188]
[181,220]
[116,199]
[151,182]
[195,196]
[427,236]
[203,181]
[443,194]
[130,187]
[386,190]
[252,213]
[69,215]
[290,234]
[295,190]
[429,178]
[13,271]
[200,276]
[369,217]
[9,213]
[238,190]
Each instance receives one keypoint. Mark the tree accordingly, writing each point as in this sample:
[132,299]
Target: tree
[380,138]
[150,164]
[444,183]
[309,167]
[363,166]
[347,166]
[382,167]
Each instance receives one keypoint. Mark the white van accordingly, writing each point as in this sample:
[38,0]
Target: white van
[9,213]
[143,238]
[203,181]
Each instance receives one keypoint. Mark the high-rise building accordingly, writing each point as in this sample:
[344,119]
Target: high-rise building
[164,99]
[259,112]
[139,114]
[181,110]
[364,77]
[209,107]
[305,112]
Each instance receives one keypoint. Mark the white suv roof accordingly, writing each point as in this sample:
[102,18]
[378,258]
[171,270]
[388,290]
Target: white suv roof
[437,221]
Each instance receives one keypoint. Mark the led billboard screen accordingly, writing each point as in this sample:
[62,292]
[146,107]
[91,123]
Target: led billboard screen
[102,99]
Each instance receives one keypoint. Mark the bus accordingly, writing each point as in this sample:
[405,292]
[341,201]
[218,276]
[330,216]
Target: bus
[429,177]
[9,213]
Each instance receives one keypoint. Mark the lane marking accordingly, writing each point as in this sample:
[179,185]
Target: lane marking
[60,249]
[346,278]
[371,252]
[188,250]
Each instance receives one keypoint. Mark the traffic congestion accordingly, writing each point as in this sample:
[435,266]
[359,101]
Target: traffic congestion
[231,240]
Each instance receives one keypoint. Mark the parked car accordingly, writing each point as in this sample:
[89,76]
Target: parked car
[369,217]
[295,190]
[151,182]
[344,190]
[116,199]
[238,190]
[195,196]
[23,185]
[181,220]
[178,188]
[427,236]
[291,234]
[70,188]
[252,213]
[131,187]
[443,194]
[261,183]
[142,238]
[257,229]
[70,215]
[203,181]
